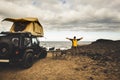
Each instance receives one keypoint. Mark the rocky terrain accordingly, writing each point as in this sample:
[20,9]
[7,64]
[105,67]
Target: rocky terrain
[99,60]
[102,49]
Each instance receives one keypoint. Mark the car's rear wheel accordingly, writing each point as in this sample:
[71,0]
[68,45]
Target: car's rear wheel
[28,60]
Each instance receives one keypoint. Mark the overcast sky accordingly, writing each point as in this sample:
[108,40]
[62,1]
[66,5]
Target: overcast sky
[91,19]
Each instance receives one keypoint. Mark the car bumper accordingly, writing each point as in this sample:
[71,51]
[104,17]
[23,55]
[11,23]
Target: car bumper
[5,60]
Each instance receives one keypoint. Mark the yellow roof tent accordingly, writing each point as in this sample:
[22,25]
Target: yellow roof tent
[31,25]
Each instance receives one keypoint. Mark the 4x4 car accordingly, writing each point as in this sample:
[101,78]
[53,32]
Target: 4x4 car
[20,47]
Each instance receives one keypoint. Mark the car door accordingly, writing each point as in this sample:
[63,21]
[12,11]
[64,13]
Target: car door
[35,45]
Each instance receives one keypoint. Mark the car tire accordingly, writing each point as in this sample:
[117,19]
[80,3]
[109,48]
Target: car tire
[43,54]
[28,60]
[7,48]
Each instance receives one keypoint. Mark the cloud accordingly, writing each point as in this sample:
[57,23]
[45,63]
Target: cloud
[77,15]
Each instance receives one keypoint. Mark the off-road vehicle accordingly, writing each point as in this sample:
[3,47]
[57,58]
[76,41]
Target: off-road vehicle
[20,44]
[20,47]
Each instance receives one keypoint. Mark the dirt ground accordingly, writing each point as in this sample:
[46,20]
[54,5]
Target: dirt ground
[70,68]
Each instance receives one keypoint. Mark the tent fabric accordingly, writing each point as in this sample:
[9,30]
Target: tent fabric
[20,19]
[31,25]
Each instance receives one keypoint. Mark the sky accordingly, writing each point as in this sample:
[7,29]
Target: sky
[90,19]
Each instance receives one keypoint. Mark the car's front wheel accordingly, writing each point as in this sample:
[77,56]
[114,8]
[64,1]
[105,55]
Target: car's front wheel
[43,54]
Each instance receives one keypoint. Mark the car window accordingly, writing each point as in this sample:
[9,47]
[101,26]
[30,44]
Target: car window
[34,41]
[15,41]
[27,42]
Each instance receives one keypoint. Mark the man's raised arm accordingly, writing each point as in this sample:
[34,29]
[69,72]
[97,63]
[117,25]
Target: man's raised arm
[79,38]
[69,38]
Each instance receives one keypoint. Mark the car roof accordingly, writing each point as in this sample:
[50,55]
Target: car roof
[27,34]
